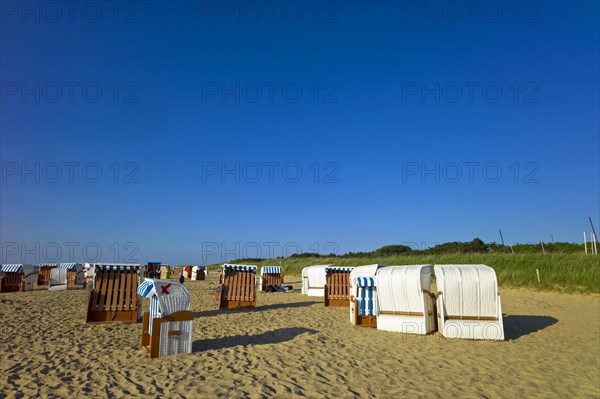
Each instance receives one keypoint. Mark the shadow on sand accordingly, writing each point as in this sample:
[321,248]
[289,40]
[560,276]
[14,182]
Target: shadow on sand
[208,313]
[517,326]
[269,337]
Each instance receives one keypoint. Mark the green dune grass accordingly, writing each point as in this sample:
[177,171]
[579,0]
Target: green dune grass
[563,272]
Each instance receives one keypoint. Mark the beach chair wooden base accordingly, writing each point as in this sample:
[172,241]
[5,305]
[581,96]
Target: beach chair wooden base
[200,275]
[336,302]
[366,321]
[228,304]
[12,282]
[152,342]
[363,321]
[99,317]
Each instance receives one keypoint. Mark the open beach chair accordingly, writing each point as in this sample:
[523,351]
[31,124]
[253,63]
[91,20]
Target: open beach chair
[113,297]
[167,327]
[468,302]
[44,273]
[363,296]
[337,286]
[74,273]
[18,277]
[270,276]
[153,270]
[165,272]
[58,279]
[199,272]
[238,289]
[405,301]
[313,280]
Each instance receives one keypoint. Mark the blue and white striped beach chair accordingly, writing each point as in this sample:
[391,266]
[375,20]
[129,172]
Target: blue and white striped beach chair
[362,285]
[364,307]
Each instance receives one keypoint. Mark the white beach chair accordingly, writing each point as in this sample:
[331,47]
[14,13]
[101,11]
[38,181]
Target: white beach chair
[313,280]
[468,303]
[167,327]
[405,303]
[58,279]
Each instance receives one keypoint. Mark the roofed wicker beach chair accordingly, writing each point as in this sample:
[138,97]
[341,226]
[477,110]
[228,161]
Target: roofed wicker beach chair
[238,289]
[313,280]
[270,276]
[468,302]
[337,286]
[165,272]
[113,297]
[363,296]
[199,272]
[74,273]
[167,329]
[18,277]
[405,301]
[44,273]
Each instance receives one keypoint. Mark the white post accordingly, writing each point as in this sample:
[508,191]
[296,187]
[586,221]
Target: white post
[595,243]
[585,242]
[543,251]
[537,272]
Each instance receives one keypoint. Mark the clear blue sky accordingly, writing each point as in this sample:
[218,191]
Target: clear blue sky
[170,94]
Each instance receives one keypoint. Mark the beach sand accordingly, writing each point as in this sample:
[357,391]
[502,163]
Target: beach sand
[292,346]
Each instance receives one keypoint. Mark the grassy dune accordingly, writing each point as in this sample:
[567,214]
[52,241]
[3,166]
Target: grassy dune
[558,272]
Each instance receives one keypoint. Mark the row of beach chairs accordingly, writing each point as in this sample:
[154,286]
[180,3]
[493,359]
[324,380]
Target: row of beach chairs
[466,303]
[24,277]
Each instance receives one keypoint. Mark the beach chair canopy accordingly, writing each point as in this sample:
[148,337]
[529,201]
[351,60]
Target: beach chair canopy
[270,270]
[364,271]
[400,288]
[239,268]
[19,268]
[468,290]
[48,265]
[338,269]
[198,268]
[71,266]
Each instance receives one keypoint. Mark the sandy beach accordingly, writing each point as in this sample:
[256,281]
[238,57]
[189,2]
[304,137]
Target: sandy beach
[292,346]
